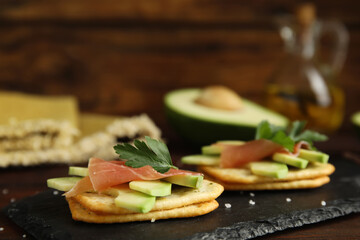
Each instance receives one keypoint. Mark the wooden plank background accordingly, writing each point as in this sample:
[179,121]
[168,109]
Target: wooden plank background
[121,57]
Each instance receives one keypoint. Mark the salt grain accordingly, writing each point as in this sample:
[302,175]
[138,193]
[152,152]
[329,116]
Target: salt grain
[252,194]
[323,203]
[288,199]
[227,205]
[12,200]
[5,191]
[1,229]
[55,192]
[24,236]
[252,202]
[153,220]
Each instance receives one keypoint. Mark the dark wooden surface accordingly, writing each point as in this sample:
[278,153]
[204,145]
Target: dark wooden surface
[121,57]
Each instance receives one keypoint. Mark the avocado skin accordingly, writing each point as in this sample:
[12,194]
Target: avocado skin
[204,132]
[356,123]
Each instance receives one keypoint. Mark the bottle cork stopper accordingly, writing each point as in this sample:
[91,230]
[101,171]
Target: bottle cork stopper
[305,14]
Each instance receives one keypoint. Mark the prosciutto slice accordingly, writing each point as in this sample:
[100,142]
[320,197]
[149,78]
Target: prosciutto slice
[104,174]
[234,156]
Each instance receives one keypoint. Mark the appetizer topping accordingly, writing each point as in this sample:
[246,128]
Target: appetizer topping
[270,139]
[104,174]
[144,161]
[153,153]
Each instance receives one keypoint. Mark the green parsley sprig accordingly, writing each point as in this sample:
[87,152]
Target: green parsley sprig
[288,139]
[152,152]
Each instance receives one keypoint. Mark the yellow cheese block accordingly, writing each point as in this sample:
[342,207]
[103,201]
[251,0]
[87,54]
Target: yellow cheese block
[21,106]
[91,123]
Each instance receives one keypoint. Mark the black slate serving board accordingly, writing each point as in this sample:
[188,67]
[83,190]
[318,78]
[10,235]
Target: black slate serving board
[47,216]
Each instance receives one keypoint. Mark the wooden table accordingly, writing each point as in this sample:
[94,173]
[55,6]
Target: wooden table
[114,53]
[16,183]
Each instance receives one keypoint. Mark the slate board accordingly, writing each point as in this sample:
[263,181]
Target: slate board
[47,216]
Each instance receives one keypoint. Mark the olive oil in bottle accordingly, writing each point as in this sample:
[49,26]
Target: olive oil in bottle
[300,88]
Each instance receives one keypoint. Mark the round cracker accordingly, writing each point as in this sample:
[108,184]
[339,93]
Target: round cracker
[244,175]
[180,196]
[295,184]
[79,213]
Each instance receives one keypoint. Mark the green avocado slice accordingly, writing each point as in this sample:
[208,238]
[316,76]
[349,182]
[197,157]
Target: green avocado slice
[216,149]
[78,171]
[193,181]
[290,160]
[202,125]
[131,199]
[155,188]
[313,156]
[269,169]
[62,183]
[201,160]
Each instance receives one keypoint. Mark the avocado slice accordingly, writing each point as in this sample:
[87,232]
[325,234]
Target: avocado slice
[193,181]
[78,171]
[216,148]
[62,183]
[211,150]
[202,125]
[269,169]
[290,160]
[131,199]
[154,188]
[201,160]
[314,156]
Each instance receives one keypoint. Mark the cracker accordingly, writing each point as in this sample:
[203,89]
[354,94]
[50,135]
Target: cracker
[99,141]
[244,175]
[295,184]
[79,213]
[180,196]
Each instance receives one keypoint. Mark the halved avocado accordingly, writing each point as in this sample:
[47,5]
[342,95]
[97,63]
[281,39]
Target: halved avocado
[202,125]
[355,119]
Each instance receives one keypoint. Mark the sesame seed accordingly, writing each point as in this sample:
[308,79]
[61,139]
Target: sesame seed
[227,205]
[55,192]
[5,191]
[1,229]
[252,202]
[252,194]
[288,199]
[323,203]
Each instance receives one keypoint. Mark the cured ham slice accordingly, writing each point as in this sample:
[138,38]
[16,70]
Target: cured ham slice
[238,155]
[104,174]
[297,147]
[84,185]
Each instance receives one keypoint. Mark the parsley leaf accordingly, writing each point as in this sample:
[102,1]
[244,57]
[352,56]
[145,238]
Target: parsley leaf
[295,134]
[154,153]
